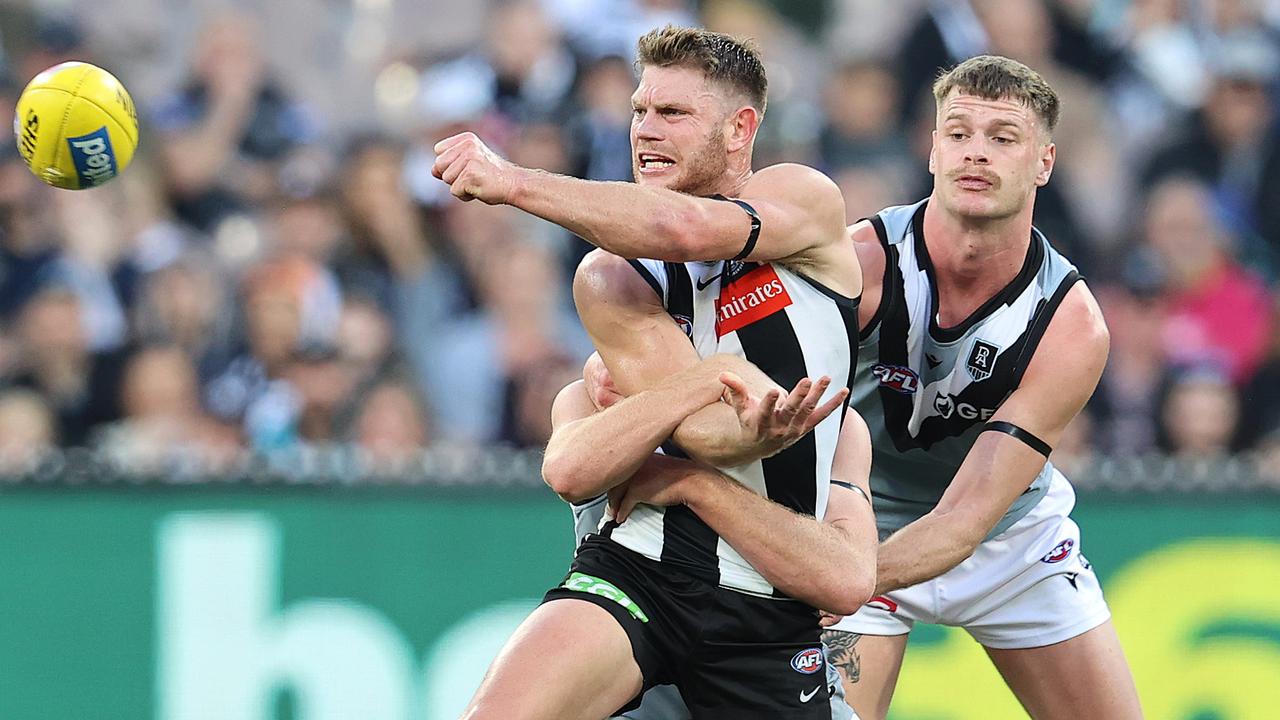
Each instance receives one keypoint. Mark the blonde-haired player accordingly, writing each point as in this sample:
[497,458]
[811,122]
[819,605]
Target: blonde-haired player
[978,346]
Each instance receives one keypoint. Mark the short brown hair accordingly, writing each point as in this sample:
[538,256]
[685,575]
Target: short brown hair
[995,78]
[722,58]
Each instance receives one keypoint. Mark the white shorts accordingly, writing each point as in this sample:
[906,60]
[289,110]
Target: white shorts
[1027,587]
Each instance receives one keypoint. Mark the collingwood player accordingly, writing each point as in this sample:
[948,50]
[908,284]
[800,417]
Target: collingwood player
[810,559]
[751,264]
[978,345]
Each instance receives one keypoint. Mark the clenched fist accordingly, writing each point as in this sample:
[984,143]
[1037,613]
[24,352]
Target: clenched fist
[473,171]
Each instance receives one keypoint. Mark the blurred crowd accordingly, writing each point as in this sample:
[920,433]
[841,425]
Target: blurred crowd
[278,269]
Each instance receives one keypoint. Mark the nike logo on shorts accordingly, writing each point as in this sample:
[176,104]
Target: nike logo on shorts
[807,696]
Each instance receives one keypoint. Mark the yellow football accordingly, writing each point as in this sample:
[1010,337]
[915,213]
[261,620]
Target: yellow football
[76,126]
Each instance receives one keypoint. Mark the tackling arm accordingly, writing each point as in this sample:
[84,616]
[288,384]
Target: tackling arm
[829,564]
[1058,382]
[590,452]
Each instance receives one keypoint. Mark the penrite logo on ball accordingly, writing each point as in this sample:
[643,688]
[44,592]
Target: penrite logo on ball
[95,161]
[27,133]
[752,297]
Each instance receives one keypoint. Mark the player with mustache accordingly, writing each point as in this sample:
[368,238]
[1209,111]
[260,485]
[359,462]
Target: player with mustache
[978,345]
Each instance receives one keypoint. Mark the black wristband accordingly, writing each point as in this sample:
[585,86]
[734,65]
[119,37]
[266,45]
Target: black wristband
[1012,430]
[755,225]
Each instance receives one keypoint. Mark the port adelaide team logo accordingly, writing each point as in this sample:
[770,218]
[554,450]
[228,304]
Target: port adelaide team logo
[982,360]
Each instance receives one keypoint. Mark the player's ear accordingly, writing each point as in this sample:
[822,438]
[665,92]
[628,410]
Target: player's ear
[933,151]
[742,127]
[1048,155]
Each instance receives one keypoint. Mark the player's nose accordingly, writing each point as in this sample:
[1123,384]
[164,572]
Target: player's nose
[647,126]
[975,152]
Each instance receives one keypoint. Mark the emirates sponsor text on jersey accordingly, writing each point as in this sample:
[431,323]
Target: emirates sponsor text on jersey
[754,296]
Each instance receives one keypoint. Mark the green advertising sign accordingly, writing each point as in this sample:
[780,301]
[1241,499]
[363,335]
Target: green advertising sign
[377,604]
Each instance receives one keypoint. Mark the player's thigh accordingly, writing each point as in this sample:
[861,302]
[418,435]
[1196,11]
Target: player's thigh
[869,666]
[1084,677]
[569,659]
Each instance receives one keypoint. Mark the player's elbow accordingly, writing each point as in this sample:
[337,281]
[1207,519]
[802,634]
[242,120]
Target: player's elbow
[850,586]
[704,444]
[566,478]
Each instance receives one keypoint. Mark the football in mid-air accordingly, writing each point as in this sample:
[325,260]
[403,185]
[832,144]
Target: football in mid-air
[76,126]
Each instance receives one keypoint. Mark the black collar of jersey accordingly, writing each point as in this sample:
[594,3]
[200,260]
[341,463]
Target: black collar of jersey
[1030,267]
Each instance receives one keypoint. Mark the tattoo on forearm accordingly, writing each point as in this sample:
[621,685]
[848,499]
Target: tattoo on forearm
[842,649]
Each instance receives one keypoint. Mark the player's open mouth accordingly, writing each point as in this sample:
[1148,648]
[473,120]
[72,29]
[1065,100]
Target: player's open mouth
[651,162]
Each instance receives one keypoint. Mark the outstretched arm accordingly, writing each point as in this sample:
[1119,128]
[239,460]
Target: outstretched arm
[999,468]
[799,208]
[829,564]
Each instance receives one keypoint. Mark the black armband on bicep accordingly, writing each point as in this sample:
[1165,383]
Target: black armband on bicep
[1028,438]
[851,486]
[755,225]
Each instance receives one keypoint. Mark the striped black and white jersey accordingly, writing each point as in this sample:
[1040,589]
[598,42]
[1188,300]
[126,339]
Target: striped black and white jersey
[791,327]
[926,391]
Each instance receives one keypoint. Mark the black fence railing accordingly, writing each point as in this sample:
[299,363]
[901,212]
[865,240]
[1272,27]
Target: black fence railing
[497,466]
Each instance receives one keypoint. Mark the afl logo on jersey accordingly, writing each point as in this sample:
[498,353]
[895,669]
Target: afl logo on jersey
[1059,552]
[896,377]
[982,360]
[754,296]
[808,661]
[685,323]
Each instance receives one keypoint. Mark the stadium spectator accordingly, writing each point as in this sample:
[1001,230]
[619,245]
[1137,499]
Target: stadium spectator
[1200,414]
[1125,405]
[366,340]
[82,387]
[185,304]
[522,319]
[601,128]
[862,127]
[228,125]
[391,426]
[164,427]
[291,305]
[27,430]
[322,389]
[1218,310]
[29,240]
[374,274]
[1230,143]
[387,233]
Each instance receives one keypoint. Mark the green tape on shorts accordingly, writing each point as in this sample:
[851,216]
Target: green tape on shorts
[580,582]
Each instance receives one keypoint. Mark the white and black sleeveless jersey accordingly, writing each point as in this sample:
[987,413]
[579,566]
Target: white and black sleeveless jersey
[926,391]
[789,326]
